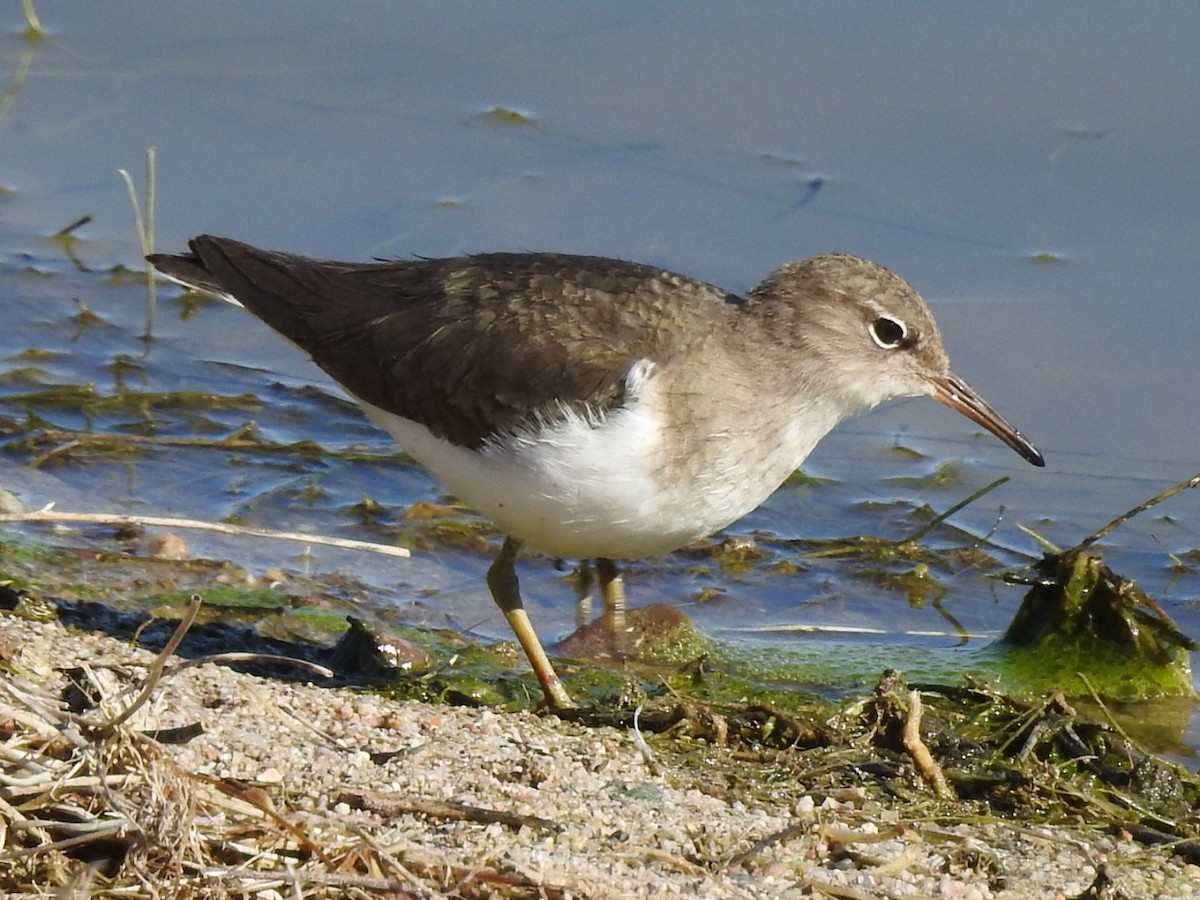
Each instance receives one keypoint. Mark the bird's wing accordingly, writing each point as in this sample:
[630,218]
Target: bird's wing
[470,347]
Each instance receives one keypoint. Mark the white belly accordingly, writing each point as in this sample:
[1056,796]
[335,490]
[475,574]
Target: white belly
[624,485]
[577,488]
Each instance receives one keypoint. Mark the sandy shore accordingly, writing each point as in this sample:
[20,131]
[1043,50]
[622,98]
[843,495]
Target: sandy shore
[285,789]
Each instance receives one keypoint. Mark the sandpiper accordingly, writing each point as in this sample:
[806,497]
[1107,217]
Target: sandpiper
[594,408]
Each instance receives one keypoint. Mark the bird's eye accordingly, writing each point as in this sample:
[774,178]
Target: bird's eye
[887,332]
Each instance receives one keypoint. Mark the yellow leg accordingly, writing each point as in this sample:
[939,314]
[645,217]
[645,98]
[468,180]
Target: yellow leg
[612,589]
[584,582]
[506,591]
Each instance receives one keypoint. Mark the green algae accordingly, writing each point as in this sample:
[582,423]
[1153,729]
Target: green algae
[1080,620]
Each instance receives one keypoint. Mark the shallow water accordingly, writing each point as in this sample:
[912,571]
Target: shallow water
[1030,170]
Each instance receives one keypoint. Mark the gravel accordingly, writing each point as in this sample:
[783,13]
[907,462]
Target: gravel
[618,827]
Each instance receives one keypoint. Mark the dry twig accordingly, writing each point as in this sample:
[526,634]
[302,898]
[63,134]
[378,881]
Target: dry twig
[921,757]
[50,515]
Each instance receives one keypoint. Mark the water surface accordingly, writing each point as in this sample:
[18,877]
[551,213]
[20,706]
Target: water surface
[1030,169]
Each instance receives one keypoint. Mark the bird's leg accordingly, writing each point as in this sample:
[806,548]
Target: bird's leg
[506,591]
[584,582]
[612,589]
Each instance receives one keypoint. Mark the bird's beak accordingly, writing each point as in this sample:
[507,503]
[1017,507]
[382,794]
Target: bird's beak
[957,394]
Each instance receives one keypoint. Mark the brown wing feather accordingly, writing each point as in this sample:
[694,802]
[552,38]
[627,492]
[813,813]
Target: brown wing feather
[469,347]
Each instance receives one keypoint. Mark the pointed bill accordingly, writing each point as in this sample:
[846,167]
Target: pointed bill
[957,394]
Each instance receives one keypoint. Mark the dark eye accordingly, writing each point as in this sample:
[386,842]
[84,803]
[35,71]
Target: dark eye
[887,332]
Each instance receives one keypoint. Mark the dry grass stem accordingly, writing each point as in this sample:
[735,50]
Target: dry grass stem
[53,516]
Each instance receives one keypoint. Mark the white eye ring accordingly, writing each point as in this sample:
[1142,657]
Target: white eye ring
[887,332]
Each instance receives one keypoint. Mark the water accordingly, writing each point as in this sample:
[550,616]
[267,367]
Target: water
[1030,169]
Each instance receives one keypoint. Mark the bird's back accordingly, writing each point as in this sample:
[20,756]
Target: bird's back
[469,347]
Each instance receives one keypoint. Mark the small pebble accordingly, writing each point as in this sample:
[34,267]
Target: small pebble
[168,546]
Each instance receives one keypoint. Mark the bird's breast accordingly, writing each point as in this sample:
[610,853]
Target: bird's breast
[640,479]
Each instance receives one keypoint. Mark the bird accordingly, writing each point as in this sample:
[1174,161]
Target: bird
[595,408]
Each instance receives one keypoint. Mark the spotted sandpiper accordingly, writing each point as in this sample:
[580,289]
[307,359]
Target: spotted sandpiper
[595,408]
